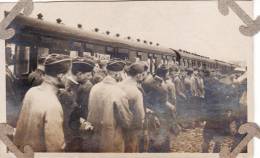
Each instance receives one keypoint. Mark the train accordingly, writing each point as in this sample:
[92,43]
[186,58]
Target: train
[35,37]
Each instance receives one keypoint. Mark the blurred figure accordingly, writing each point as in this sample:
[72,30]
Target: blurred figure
[135,100]
[99,73]
[157,98]
[12,106]
[40,123]
[177,79]
[109,112]
[196,102]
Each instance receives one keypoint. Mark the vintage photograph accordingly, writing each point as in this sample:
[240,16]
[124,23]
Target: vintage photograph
[127,77]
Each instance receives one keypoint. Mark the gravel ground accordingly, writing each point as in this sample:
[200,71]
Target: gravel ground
[191,140]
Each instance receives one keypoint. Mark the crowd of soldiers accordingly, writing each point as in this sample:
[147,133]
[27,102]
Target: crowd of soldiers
[83,105]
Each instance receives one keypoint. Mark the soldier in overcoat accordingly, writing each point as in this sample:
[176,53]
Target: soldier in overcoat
[40,122]
[75,102]
[135,100]
[109,112]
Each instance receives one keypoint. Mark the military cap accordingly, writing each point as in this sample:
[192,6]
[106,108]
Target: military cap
[162,70]
[115,65]
[137,67]
[81,64]
[56,64]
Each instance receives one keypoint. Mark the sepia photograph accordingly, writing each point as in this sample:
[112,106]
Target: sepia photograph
[127,77]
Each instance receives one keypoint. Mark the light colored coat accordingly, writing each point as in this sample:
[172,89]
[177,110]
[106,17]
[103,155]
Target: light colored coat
[110,115]
[135,100]
[40,123]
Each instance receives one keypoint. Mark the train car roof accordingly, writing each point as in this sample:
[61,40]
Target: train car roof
[41,27]
[190,55]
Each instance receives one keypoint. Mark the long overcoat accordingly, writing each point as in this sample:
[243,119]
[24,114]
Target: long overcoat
[110,115]
[135,100]
[40,122]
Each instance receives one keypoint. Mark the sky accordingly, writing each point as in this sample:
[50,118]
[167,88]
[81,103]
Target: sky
[195,26]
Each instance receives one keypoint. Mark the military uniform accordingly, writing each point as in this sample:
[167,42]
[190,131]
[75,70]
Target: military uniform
[74,101]
[40,122]
[135,100]
[157,98]
[109,113]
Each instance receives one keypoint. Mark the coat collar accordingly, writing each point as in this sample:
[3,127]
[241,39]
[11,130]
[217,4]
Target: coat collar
[49,85]
[130,81]
[109,80]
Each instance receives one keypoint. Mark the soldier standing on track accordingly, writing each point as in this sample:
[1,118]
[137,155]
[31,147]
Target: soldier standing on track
[135,100]
[40,123]
[109,112]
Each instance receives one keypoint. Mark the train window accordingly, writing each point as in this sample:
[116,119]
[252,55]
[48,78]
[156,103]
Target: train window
[74,53]
[22,60]
[184,62]
[192,63]
[99,49]
[199,63]
[110,49]
[189,63]
[89,46]
[122,50]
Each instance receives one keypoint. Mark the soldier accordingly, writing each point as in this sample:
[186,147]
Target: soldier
[40,123]
[82,68]
[75,109]
[196,102]
[157,98]
[177,79]
[109,111]
[135,100]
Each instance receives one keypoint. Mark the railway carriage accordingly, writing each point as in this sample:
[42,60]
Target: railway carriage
[35,38]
